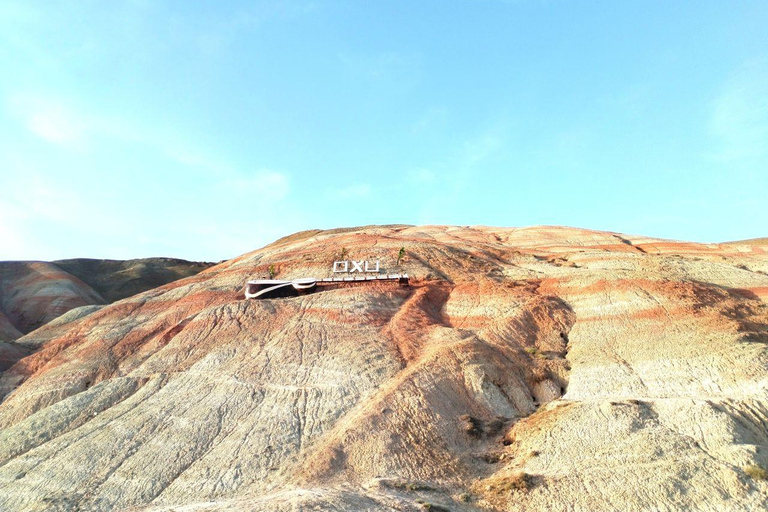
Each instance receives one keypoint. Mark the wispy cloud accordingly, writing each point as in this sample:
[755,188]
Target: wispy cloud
[238,209]
[15,244]
[739,120]
[50,120]
[60,121]
[632,101]
[39,204]
[421,176]
[485,145]
[432,119]
[389,67]
[263,186]
[56,128]
[354,191]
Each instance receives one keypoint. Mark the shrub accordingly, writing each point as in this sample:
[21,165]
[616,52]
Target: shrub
[419,486]
[521,481]
[400,255]
[471,425]
[756,472]
[272,271]
[433,507]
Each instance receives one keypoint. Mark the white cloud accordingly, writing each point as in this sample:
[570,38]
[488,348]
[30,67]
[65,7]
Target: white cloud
[37,206]
[54,127]
[739,120]
[355,191]
[53,201]
[264,186]
[385,67]
[51,120]
[432,119]
[421,176]
[481,148]
[15,245]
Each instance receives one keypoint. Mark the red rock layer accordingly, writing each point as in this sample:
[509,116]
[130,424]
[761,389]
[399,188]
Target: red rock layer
[524,369]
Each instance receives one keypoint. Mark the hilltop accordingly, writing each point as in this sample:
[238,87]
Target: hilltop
[541,368]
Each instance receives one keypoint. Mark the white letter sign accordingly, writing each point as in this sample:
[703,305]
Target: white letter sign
[357,266]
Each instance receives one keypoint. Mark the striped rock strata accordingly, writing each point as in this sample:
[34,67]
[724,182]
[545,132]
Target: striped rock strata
[32,293]
[524,369]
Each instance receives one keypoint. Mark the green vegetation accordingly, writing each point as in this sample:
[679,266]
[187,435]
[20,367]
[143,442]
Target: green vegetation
[402,485]
[521,481]
[344,253]
[431,506]
[419,487]
[272,271]
[465,497]
[756,472]
[472,426]
[400,255]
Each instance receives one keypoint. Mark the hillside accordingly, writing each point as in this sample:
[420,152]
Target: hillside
[754,242]
[32,293]
[539,368]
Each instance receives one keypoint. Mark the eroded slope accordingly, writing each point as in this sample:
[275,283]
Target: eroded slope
[536,368]
[32,293]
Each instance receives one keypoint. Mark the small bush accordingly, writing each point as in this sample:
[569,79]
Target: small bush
[756,472]
[471,425]
[400,255]
[403,485]
[272,271]
[521,481]
[433,507]
[419,486]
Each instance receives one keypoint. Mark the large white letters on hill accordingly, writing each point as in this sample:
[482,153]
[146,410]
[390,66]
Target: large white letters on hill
[357,266]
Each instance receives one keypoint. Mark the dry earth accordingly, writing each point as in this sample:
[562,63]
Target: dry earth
[525,369]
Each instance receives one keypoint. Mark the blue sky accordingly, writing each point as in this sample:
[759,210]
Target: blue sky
[207,129]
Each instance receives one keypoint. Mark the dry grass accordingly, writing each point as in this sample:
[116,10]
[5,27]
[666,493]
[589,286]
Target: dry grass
[432,506]
[756,472]
[516,482]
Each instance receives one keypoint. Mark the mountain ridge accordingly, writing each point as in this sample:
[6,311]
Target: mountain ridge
[33,293]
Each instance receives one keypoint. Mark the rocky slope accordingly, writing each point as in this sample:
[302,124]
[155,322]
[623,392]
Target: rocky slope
[524,369]
[32,293]
[118,279]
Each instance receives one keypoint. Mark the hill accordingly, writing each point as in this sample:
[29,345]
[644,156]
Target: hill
[759,242]
[539,368]
[32,293]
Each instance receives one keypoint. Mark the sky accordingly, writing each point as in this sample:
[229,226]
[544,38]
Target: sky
[204,130]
